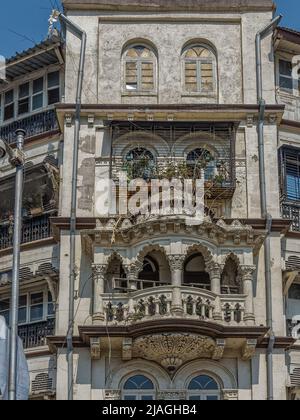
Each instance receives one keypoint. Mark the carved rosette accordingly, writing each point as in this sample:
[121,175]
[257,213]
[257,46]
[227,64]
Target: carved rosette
[171,350]
[176,262]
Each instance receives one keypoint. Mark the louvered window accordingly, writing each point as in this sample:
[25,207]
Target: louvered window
[140,68]
[291,173]
[199,70]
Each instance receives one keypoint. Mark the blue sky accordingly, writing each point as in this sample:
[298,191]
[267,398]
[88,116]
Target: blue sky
[24,22]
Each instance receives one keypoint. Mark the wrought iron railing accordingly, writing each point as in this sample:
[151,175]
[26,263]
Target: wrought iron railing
[35,229]
[33,125]
[34,335]
[292,212]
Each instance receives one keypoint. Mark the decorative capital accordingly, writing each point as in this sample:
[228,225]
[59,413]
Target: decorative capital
[230,394]
[176,261]
[171,395]
[214,269]
[246,272]
[99,270]
[112,394]
[132,270]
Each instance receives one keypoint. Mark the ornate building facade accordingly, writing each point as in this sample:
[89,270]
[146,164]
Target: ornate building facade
[164,308]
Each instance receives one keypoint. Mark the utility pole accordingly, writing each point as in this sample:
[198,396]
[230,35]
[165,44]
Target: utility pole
[16,158]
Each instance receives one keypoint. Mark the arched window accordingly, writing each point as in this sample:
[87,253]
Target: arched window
[199,69]
[203,387]
[195,274]
[138,387]
[140,69]
[140,163]
[201,159]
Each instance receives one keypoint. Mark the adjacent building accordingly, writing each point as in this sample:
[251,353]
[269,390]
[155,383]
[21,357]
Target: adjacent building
[34,84]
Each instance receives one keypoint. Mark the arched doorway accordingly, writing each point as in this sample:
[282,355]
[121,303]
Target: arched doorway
[195,274]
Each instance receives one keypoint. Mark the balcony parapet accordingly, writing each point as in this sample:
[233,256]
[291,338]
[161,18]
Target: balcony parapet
[34,125]
[152,304]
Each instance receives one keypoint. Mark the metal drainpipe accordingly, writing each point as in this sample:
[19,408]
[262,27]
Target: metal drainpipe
[264,207]
[76,30]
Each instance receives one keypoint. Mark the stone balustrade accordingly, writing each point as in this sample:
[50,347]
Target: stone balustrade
[156,303]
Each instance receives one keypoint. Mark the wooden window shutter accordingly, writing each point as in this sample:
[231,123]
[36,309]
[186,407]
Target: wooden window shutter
[191,83]
[207,82]
[147,76]
[292,170]
[131,75]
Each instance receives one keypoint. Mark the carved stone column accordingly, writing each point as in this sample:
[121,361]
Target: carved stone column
[246,273]
[99,271]
[215,278]
[176,266]
[132,273]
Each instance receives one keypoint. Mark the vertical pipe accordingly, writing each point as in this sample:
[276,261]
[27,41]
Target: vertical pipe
[13,337]
[70,353]
[264,205]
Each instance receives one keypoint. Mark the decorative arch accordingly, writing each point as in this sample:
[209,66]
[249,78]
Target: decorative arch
[201,249]
[200,41]
[139,41]
[191,141]
[156,374]
[148,249]
[224,377]
[154,143]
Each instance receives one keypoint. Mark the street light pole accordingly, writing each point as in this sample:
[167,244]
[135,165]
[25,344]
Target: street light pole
[13,338]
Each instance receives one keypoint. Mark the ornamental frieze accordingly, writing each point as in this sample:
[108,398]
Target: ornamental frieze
[172,350]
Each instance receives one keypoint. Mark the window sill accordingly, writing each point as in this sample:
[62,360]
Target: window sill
[199,95]
[135,94]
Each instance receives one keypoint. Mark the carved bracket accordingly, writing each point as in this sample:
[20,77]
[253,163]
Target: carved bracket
[219,350]
[95,344]
[249,349]
[127,349]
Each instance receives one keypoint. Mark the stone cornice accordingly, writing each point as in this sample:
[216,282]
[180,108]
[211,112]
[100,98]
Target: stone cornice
[216,331]
[189,112]
[171,5]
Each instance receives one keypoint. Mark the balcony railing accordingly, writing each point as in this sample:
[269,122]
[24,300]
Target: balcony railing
[156,303]
[34,335]
[34,125]
[35,229]
[292,212]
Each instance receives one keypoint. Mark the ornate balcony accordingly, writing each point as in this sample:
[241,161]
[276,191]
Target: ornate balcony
[156,303]
[292,212]
[34,335]
[34,125]
[34,229]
